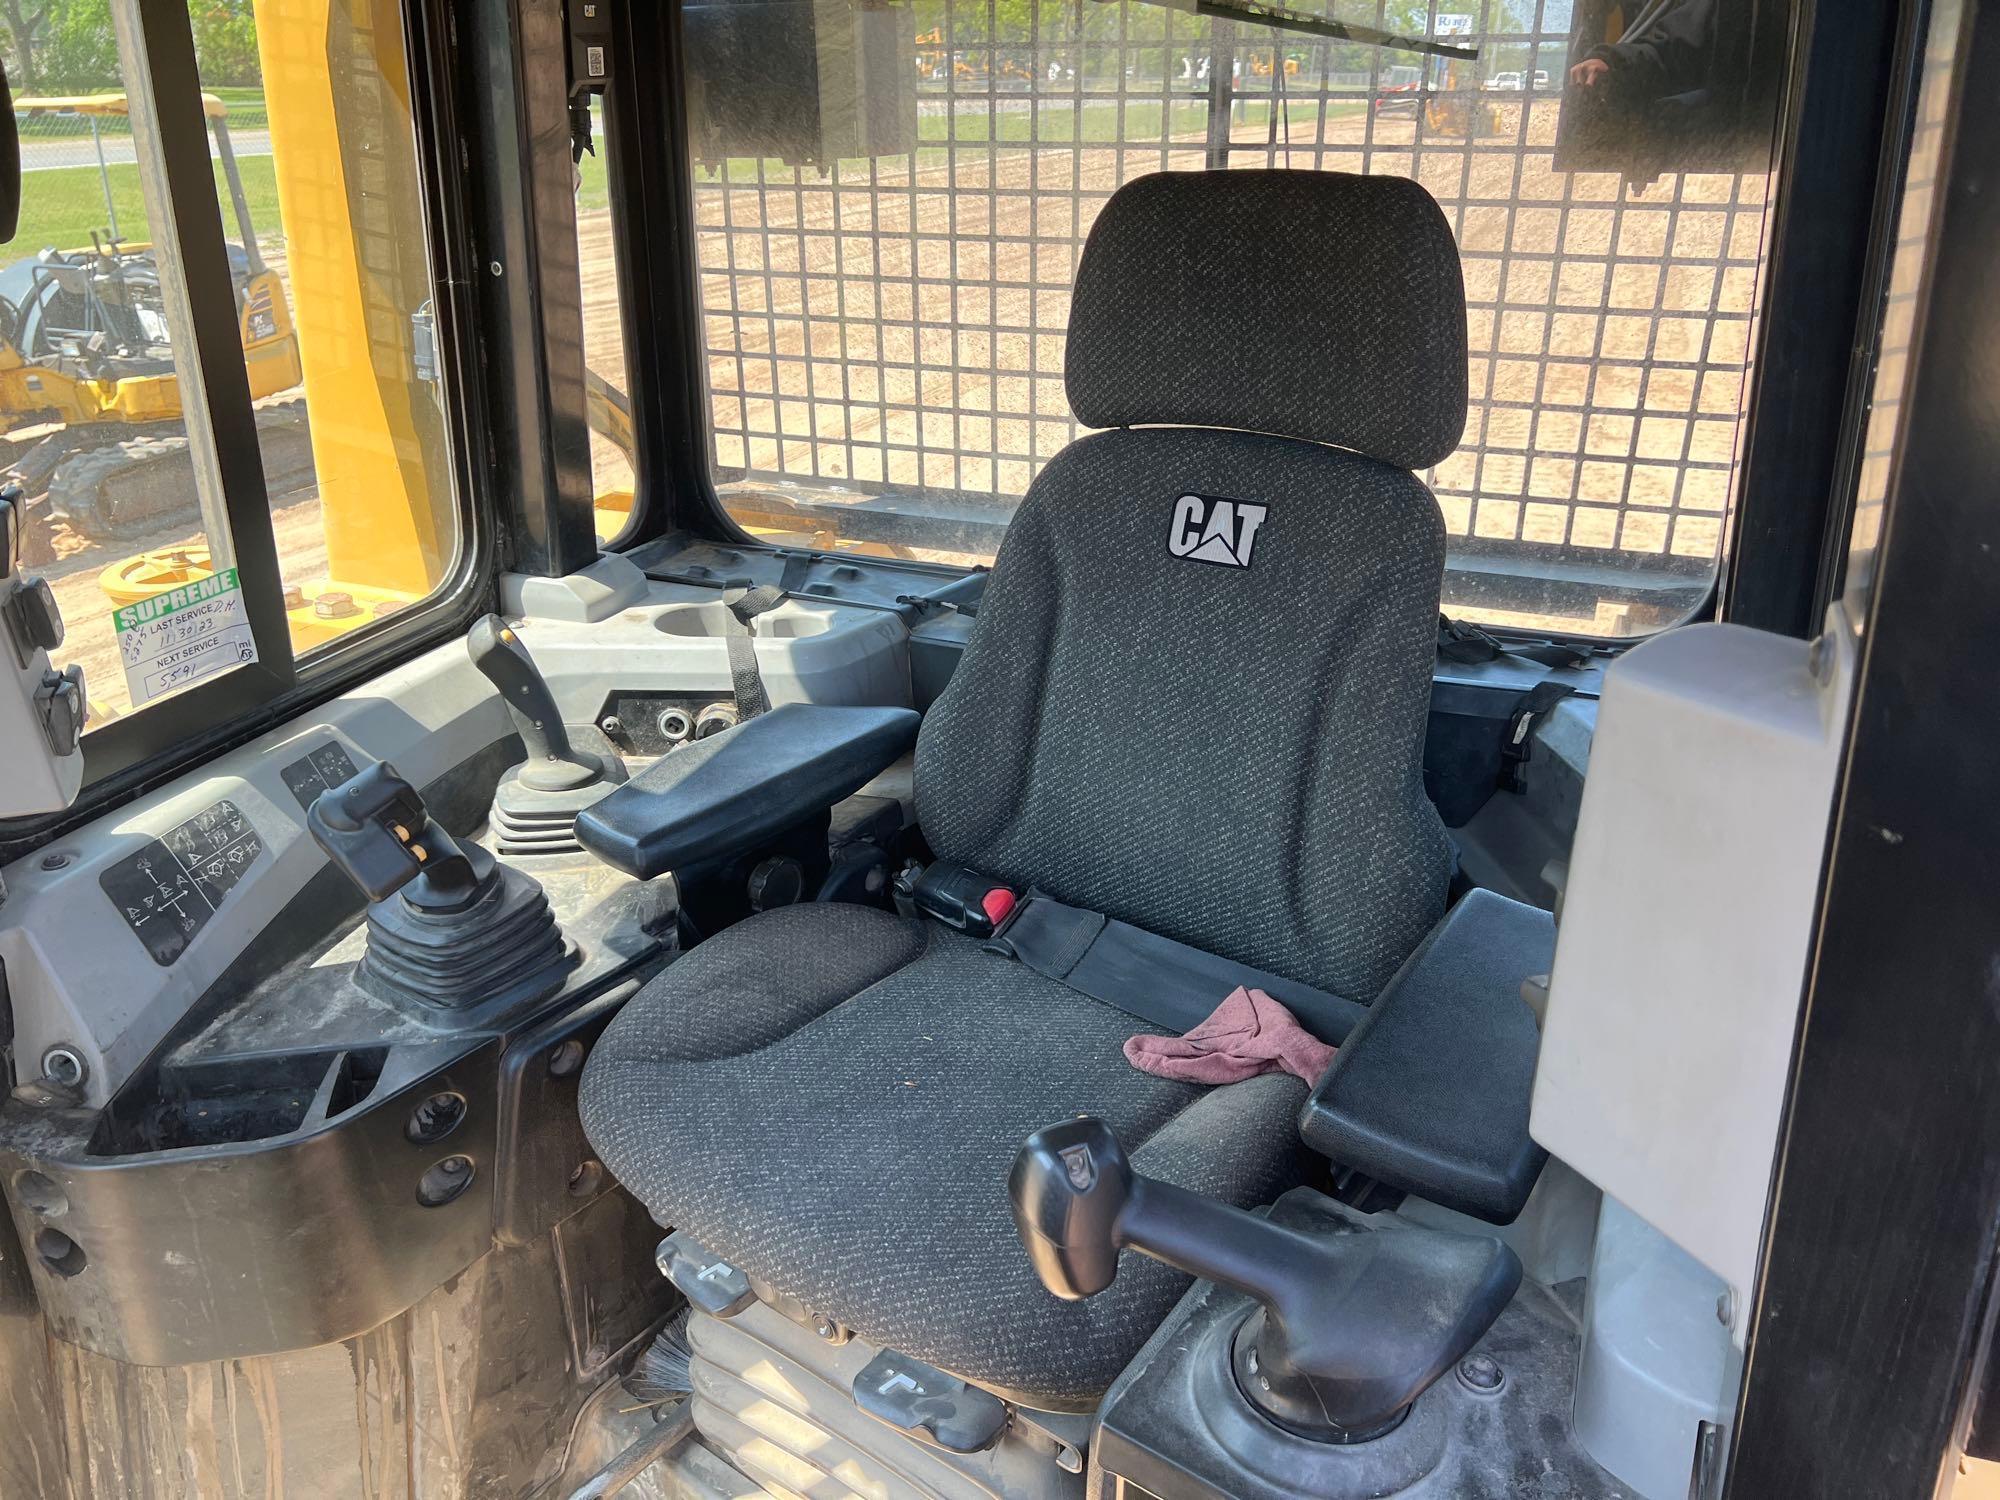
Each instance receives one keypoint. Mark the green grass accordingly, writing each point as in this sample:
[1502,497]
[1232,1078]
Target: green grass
[62,206]
[246,108]
[595,192]
[1061,123]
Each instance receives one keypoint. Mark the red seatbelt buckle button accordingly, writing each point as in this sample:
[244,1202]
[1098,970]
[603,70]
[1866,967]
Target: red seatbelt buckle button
[961,898]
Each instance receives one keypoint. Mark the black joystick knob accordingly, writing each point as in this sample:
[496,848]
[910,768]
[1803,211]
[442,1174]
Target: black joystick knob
[536,803]
[1351,1328]
[378,832]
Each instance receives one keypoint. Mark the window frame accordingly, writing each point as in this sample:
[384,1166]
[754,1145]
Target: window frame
[1838,169]
[619,147]
[652,231]
[158,740]
[1902,951]
[216,381]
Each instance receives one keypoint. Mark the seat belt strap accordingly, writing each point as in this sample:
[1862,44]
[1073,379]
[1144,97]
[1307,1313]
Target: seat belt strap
[746,683]
[1519,745]
[1154,978]
[1468,645]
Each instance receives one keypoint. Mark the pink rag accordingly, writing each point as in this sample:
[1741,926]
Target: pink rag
[1248,1034]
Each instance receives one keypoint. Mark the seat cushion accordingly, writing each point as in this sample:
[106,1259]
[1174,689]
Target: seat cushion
[831,1097]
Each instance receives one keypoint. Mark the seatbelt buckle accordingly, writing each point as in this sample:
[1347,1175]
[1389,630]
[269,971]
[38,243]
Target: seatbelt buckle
[1518,746]
[959,897]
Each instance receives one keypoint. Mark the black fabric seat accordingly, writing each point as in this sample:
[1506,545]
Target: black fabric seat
[914,1064]
[1195,701]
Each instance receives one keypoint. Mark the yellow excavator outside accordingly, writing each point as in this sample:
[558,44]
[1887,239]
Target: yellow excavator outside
[90,403]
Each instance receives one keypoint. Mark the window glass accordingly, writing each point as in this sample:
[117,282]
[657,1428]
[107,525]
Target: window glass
[890,201]
[307,109]
[322,205]
[91,423]
[613,480]
[1896,335]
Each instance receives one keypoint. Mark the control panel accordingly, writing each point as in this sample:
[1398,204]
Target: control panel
[317,771]
[41,709]
[112,933]
[358,960]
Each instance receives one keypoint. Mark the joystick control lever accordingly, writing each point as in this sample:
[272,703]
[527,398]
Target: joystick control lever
[1351,1328]
[377,830]
[449,926]
[536,803]
[552,765]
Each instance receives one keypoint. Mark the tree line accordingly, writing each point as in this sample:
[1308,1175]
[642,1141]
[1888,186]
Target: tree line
[69,46]
[1052,23]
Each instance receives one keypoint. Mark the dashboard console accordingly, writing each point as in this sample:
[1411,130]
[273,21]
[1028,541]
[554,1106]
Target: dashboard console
[214,1078]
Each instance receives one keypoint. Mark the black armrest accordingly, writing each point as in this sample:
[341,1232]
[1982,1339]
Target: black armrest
[737,789]
[1430,1092]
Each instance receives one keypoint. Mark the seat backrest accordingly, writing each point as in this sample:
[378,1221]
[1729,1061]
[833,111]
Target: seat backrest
[1197,693]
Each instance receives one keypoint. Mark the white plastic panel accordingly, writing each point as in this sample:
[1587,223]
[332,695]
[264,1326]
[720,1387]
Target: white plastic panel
[78,975]
[1657,1361]
[37,779]
[1682,953]
[807,652]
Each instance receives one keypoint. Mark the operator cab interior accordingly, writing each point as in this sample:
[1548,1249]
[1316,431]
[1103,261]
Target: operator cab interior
[840,750]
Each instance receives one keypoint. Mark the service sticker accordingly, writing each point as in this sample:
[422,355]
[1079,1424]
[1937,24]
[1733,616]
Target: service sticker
[183,635]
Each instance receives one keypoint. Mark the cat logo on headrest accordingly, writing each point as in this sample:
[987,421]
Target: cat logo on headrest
[1208,530]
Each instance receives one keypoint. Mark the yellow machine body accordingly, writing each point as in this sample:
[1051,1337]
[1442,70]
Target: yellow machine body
[356,258]
[32,393]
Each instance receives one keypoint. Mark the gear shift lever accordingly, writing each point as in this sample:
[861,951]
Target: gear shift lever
[1351,1329]
[536,803]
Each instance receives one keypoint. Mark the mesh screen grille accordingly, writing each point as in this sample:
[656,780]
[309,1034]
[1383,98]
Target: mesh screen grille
[893,326]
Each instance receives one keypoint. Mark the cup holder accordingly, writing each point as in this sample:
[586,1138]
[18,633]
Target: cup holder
[788,622]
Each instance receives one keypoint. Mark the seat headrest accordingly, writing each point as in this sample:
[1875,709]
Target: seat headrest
[1316,305]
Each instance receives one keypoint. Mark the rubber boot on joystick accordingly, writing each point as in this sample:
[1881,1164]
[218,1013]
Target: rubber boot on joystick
[448,925]
[536,803]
